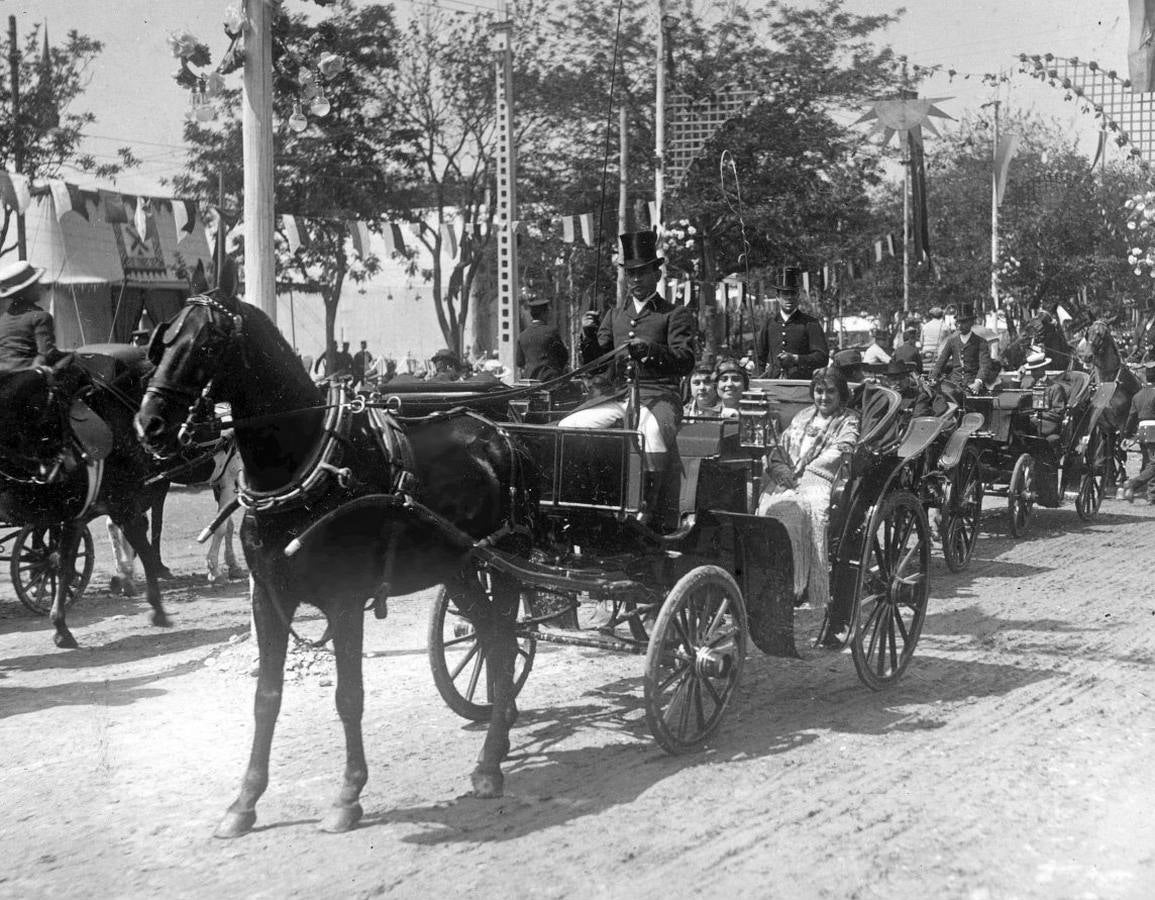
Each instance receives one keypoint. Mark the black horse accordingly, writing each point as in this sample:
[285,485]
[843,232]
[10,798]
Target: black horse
[344,506]
[48,478]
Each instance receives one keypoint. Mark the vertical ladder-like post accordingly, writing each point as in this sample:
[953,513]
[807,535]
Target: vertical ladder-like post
[508,315]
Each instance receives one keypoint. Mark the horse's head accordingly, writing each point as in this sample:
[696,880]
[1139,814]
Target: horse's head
[1099,338]
[31,420]
[191,352]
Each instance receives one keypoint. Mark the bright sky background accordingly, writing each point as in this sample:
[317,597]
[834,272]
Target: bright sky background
[137,103]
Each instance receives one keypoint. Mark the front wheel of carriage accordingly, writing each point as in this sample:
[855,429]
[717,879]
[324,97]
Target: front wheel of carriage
[1021,495]
[1092,483]
[458,659]
[891,590]
[36,567]
[963,512]
[695,658]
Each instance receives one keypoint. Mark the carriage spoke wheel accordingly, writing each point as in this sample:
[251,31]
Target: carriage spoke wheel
[1093,480]
[1021,495]
[35,567]
[694,662]
[891,590]
[960,531]
[458,659]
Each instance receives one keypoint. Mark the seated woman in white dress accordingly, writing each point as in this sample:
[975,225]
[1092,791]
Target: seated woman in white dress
[800,475]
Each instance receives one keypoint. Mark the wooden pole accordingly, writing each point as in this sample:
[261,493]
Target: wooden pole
[995,213]
[257,127]
[17,137]
[623,187]
[660,130]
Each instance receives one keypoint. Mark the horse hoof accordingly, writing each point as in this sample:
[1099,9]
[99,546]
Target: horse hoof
[161,620]
[341,818]
[65,640]
[487,784]
[164,572]
[233,825]
[236,573]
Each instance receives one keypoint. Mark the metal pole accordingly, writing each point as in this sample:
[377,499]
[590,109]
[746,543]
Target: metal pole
[660,128]
[257,132]
[508,317]
[907,162]
[17,137]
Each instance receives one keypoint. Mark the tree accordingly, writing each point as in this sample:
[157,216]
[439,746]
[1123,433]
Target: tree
[49,127]
[343,166]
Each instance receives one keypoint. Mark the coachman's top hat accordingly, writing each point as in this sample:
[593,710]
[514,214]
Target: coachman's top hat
[17,275]
[538,303]
[788,280]
[639,250]
[966,311]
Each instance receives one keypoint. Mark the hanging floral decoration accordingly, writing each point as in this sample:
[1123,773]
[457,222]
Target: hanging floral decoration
[1141,221]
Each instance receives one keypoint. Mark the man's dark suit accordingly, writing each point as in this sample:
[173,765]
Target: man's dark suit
[908,353]
[802,335]
[541,353]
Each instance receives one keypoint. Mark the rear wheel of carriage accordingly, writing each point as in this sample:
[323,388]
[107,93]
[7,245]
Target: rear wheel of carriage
[1021,495]
[695,658]
[1093,480]
[891,590]
[960,531]
[36,568]
[458,659]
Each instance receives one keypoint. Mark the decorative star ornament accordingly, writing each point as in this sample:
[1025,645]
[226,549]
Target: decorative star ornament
[891,116]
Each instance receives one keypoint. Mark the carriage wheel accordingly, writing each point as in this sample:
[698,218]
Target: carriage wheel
[458,659]
[35,567]
[697,648]
[1093,480]
[960,531]
[1021,495]
[891,589]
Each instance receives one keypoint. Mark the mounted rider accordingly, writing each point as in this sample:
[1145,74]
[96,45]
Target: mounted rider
[28,341]
[659,337]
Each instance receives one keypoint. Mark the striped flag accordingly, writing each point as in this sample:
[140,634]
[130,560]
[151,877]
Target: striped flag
[61,197]
[359,232]
[292,233]
[394,242]
[567,229]
[1004,153]
[184,216]
[449,240]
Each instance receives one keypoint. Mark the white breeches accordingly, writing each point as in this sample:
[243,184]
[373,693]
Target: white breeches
[613,412]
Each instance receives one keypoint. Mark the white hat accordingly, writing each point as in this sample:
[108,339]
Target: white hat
[16,276]
[1037,359]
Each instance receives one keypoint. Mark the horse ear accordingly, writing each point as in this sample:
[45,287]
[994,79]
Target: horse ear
[198,281]
[227,282]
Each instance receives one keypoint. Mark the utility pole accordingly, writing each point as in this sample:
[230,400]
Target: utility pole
[508,314]
[17,136]
[257,144]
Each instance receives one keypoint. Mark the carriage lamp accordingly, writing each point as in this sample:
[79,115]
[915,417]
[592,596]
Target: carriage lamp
[755,422]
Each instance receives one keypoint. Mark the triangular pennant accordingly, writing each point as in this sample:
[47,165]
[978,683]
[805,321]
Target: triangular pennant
[180,215]
[61,196]
[359,232]
[448,240]
[587,220]
[394,241]
[806,282]
[292,234]
[567,229]
[825,277]
[890,244]
[878,251]
[113,205]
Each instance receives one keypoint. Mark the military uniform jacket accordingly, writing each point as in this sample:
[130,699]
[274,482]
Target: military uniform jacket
[670,331]
[800,334]
[972,357]
[541,353]
[26,333]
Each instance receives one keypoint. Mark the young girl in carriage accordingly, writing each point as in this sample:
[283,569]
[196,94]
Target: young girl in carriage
[799,479]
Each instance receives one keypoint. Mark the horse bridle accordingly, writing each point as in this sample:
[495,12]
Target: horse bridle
[221,344]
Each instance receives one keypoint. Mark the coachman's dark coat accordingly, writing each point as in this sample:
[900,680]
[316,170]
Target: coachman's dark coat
[800,334]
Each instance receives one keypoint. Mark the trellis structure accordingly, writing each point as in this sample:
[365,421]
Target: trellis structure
[1126,113]
[691,122]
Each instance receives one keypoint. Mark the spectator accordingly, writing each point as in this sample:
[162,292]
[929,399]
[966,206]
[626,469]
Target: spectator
[1141,424]
[447,366]
[875,354]
[731,379]
[934,333]
[704,402]
[362,363]
[907,352]
[541,353]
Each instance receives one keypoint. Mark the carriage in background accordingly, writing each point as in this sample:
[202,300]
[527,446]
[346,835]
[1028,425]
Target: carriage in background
[689,593]
[1027,466]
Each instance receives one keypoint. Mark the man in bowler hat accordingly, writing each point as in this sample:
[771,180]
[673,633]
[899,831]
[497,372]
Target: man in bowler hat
[792,343]
[964,355]
[541,353]
[660,339]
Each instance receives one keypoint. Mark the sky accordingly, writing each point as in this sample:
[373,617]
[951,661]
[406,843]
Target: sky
[138,104]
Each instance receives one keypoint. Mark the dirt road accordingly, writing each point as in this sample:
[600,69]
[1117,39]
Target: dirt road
[1013,761]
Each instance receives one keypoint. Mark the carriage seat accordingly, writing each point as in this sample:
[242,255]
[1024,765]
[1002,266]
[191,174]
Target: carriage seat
[112,362]
[877,412]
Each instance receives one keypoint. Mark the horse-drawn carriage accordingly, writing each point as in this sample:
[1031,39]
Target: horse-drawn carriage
[1032,453]
[688,592]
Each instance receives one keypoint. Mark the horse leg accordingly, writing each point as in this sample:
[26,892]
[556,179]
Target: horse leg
[136,530]
[213,556]
[156,517]
[272,630]
[495,625]
[125,557]
[232,567]
[66,554]
[347,624]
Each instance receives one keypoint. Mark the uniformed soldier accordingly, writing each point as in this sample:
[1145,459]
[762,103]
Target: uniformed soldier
[660,338]
[541,353]
[792,344]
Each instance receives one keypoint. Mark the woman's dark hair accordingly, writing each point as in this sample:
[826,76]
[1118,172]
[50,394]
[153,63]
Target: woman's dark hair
[732,365]
[831,377]
[703,369]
